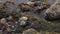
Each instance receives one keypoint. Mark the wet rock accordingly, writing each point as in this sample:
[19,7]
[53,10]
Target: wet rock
[53,13]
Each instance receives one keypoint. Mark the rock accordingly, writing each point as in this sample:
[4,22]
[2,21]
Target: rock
[22,20]
[10,5]
[53,13]
[1,5]
[30,3]
[3,20]
[38,3]
[10,18]
[30,31]
[0,31]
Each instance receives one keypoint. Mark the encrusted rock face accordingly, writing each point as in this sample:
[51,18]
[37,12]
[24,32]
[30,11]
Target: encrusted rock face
[54,11]
[30,31]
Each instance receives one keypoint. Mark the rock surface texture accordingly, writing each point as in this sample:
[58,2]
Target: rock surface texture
[54,11]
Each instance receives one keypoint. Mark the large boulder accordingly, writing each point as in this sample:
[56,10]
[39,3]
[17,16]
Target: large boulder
[53,13]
